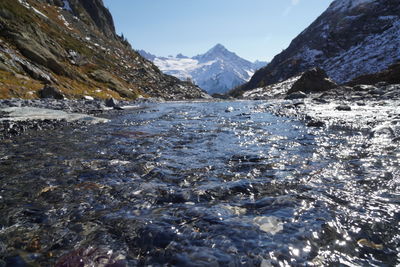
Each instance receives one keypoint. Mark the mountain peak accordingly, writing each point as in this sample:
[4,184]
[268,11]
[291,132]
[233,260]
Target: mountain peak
[216,71]
[219,49]
[217,52]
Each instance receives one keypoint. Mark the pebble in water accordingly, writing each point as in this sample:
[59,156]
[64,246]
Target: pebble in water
[269,224]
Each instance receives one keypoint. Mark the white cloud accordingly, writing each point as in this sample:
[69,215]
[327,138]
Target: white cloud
[290,7]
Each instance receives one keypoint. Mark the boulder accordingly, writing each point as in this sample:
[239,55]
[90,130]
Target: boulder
[229,109]
[87,97]
[343,108]
[383,130]
[111,102]
[51,92]
[363,87]
[296,95]
[313,81]
[315,123]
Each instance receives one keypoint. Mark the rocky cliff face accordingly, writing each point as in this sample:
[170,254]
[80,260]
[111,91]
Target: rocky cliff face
[72,45]
[351,38]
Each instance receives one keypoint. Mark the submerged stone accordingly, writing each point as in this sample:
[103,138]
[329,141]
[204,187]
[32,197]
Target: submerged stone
[343,108]
[270,224]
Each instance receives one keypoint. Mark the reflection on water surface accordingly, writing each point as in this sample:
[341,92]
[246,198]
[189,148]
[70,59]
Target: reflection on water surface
[193,184]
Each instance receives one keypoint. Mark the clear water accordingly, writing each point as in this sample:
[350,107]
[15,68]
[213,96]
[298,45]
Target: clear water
[189,184]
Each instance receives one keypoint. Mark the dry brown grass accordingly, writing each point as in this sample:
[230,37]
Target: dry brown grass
[12,86]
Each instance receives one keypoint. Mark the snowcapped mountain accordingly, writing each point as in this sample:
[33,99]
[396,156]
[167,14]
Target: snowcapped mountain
[216,71]
[351,38]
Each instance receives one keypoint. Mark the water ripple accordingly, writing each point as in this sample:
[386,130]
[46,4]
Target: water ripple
[188,184]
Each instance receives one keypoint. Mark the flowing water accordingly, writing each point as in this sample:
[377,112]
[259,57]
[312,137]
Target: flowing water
[200,184]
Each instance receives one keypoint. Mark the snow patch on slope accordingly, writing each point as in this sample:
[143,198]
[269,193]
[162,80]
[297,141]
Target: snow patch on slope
[374,54]
[309,55]
[180,68]
[28,6]
[66,23]
[273,90]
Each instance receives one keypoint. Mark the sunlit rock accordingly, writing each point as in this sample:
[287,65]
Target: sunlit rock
[270,224]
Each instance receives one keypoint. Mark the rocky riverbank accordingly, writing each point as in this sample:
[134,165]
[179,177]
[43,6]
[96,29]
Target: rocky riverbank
[371,108]
[368,103]
[19,116]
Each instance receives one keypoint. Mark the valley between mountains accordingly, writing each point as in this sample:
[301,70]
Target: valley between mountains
[217,71]
[111,156]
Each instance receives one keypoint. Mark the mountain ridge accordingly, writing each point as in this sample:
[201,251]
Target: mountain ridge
[349,39]
[216,71]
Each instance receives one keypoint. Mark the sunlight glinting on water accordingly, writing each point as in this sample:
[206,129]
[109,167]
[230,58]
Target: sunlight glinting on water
[193,181]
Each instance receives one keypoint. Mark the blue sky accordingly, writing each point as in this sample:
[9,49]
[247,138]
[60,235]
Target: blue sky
[253,29]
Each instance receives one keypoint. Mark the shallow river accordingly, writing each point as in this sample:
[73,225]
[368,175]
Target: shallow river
[200,184]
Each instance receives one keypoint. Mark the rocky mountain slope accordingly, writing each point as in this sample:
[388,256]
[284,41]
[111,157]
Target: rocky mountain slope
[351,38]
[216,71]
[72,45]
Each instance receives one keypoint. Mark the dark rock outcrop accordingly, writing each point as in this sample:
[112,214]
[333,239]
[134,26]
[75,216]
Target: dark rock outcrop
[50,92]
[389,76]
[111,102]
[296,95]
[37,53]
[98,13]
[313,81]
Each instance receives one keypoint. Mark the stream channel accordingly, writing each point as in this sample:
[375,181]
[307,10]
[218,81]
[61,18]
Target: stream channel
[199,184]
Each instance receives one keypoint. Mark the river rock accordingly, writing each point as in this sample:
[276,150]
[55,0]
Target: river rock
[343,108]
[364,87]
[320,100]
[118,108]
[296,95]
[86,97]
[51,92]
[315,123]
[229,109]
[111,103]
[383,130]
